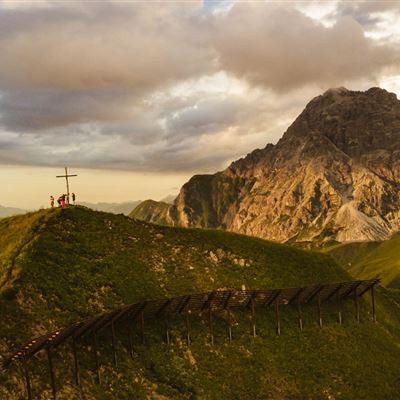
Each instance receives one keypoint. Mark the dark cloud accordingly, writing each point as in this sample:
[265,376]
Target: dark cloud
[120,85]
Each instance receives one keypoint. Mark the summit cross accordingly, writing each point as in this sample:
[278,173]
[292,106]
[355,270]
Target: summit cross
[66,176]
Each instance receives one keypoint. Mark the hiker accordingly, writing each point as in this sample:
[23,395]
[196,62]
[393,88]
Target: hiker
[52,201]
[59,201]
[63,201]
[73,198]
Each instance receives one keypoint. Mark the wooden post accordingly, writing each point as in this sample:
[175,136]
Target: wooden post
[300,314]
[76,363]
[130,341]
[187,328]
[278,320]
[253,317]
[114,349]
[229,324]
[373,304]
[357,305]
[27,379]
[51,370]
[167,334]
[339,306]
[142,326]
[96,357]
[210,327]
[319,310]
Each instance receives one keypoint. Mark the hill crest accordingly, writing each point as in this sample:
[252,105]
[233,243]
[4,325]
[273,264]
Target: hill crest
[81,263]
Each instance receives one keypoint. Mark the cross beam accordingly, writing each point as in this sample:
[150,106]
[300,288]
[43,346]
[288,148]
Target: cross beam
[66,176]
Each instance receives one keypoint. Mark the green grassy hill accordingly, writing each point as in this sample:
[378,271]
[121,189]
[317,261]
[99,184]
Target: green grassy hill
[152,211]
[366,260]
[60,266]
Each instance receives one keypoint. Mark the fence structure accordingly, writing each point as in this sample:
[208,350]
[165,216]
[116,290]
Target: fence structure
[210,303]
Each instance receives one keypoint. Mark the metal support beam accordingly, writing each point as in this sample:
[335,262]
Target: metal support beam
[187,328]
[296,297]
[27,379]
[253,317]
[278,319]
[357,305]
[339,307]
[130,341]
[300,315]
[375,281]
[353,287]
[52,375]
[96,357]
[334,292]
[229,324]
[114,347]
[167,333]
[373,304]
[209,300]
[210,327]
[226,302]
[316,292]
[273,298]
[185,302]
[76,362]
[319,310]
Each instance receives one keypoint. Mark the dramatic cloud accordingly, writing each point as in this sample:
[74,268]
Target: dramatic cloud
[173,87]
[299,51]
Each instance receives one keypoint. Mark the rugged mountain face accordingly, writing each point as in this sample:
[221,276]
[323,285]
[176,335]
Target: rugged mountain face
[334,175]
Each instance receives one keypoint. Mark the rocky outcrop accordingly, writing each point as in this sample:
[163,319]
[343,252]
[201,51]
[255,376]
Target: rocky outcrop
[334,175]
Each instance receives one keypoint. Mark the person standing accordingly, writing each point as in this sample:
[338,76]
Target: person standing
[73,198]
[52,201]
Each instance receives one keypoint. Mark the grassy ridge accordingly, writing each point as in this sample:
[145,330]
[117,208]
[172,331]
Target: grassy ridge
[83,262]
[370,259]
[151,211]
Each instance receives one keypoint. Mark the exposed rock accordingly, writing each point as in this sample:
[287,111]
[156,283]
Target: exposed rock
[334,175]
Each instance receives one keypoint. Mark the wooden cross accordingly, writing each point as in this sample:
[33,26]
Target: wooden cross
[66,176]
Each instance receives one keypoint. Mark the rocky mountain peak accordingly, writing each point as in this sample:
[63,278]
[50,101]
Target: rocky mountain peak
[355,122]
[334,175]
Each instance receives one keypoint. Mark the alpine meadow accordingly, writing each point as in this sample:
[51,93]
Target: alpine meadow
[199,200]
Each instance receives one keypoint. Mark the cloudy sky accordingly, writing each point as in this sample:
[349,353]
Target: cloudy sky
[136,97]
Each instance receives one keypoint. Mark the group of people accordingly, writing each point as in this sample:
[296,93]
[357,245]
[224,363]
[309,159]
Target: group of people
[63,200]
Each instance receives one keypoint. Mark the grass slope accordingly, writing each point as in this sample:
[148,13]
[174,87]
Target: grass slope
[72,263]
[370,259]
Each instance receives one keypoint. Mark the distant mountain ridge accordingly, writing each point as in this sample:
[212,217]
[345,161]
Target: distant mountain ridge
[114,208]
[9,211]
[126,207]
[334,175]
